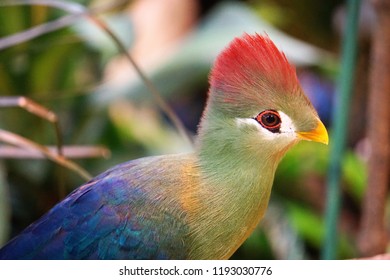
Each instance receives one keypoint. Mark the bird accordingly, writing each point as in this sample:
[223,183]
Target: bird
[201,204]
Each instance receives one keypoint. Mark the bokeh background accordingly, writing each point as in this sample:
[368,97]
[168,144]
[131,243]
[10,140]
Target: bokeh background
[78,73]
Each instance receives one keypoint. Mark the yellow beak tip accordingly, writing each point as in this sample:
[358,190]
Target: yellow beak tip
[319,134]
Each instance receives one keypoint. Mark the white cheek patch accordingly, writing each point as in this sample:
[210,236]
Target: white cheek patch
[287,127]
[242,122]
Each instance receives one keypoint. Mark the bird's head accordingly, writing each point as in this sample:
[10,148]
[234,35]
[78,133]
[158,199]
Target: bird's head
[255,103]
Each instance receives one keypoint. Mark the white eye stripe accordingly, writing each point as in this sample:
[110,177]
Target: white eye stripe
[287,127]
[246,121]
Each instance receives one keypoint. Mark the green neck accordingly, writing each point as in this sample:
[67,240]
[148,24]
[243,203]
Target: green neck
[237,182]
[233,157]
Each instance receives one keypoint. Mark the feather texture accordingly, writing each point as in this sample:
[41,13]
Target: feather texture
[121,214]
[201,205]
[250,58]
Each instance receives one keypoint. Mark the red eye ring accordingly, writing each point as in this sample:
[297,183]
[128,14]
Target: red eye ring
[270,120]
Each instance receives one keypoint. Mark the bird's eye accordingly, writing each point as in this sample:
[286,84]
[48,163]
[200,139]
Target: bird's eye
[270,120]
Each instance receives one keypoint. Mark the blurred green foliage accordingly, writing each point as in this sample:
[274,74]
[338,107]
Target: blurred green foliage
[63,71]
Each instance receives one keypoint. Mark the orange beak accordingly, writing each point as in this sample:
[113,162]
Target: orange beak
[319,134]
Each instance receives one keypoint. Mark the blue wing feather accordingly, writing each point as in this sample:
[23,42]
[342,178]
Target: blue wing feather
[107,218]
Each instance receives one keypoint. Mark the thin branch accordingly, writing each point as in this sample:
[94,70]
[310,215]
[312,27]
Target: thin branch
[38,110]
[19,141]
[68,6]
[7,151]
[77,11]
[148,83]
[36,31]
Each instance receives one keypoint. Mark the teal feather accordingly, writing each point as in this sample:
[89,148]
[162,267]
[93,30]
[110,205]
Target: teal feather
[99,221]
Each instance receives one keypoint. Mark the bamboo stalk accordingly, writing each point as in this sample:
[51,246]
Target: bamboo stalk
[339,125]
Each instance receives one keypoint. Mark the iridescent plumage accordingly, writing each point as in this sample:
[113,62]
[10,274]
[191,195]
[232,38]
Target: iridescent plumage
[201,205]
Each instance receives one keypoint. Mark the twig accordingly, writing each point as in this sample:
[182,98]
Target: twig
[78,11]
[17,140]
[38,110]
[7,151]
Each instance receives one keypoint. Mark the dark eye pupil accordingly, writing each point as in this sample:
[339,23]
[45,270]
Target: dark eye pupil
[270,120]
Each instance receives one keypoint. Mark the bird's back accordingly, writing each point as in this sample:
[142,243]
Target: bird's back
[123,213]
